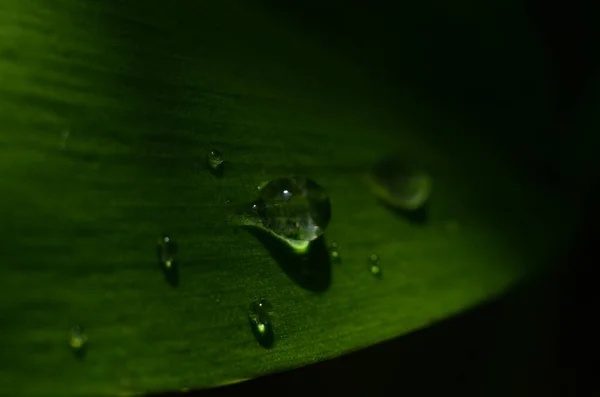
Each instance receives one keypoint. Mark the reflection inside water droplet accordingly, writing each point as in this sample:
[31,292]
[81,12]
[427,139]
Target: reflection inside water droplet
[295,209]
[259,316]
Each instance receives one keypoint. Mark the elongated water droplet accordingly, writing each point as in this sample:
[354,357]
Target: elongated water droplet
[295,209]
[215,162]
[261,185]
[78,340]
[335,251]
[374,267]
[399,183]
[165,252]
[259,316]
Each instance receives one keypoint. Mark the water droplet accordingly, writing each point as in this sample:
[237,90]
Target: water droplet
[261,185]
[77,340]
[165,252]
[295,209]
[335,251]
[374,267]
[259,316]
[215,162]
[400,184]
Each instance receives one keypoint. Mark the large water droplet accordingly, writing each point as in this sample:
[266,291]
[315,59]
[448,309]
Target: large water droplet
[259,316]
[295,209]
[374,267]
[215,161]
[78,340]
[399,183]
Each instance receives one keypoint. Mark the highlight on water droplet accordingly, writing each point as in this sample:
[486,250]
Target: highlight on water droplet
[215,162]
[78,340]
[400,182]
[374,267]
[296,210]
[334,251]
[165,252]
[260,318]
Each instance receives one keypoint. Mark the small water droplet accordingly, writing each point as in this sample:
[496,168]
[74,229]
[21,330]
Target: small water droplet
[165,252]
[400,184]
[261,185]
[215,162]
[335,251]
[78,340]
[259,316]
[295,209]
[374,267]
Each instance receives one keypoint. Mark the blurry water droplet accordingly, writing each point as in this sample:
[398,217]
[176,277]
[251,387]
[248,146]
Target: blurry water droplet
[64,136]
[374,267]
[215,162]
[259,316]
[399,183]
[77,340]
[335,251]
[295,209]
[261,185]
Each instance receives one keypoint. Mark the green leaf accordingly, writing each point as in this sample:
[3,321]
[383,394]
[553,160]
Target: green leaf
[108,113]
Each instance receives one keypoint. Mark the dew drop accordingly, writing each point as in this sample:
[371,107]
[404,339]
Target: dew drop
[374,267]
[166,250]
[335,251]
[259,316]
[400,184]
[215,162]
[295,209]
[78,340]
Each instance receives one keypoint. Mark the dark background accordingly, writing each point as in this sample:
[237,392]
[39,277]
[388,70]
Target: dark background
[536,339]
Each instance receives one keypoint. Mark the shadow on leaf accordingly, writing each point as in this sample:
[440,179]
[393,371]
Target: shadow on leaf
[418,217]
[311,270]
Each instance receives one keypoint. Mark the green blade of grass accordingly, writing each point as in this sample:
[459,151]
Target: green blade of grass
[108,114]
